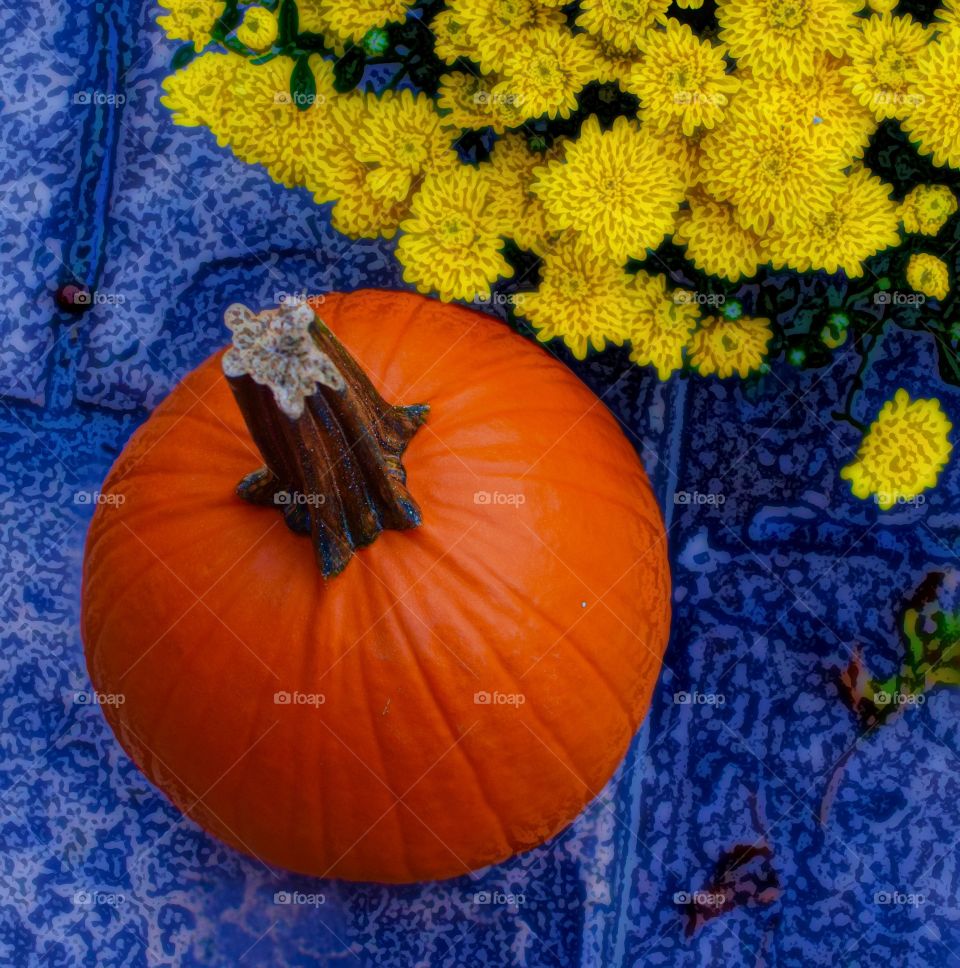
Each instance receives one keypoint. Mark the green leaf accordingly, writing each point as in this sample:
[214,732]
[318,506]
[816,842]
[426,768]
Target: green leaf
[182,56]
[349,70]
[303,85]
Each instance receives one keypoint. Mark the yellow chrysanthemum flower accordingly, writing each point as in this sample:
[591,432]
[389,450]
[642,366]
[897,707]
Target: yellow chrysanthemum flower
[821,105]
[191,20]
[339,176]
[883,52]
[583,298]
[903,453]
[259,28]
[772,169]
[727,346]
[494,29]
[450,242]
[933,121]
[509,174]
[401,138]
[681,78]
[614,187]
[927,208]
[350,20]
[929,275]
[861,221]
[622,24]
[784,37]
[543,73]
[716,241]
[883,6]
[660,324]
[689,4]
[200,93]
[262,124]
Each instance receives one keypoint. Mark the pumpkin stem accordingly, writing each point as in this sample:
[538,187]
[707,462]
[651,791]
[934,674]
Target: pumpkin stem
[331,444]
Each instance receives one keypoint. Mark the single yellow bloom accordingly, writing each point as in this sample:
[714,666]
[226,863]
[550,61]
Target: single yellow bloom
[883,52]
[689,4]
[903,453]
[933,121]
[583,298]
[861,221]
[401,138]
[259,28]
[776,38]
[927,208]
[949,14]
[682,78]
[621,24]
[882,6]
[929,275]
[821,106]
[543,73]
[191,20]
[772,168]
[350,20]
[727,346]
[660,325]
[614,187]
[450,242]
[716,241]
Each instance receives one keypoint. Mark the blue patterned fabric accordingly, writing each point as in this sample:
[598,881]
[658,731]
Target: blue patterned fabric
[772,590]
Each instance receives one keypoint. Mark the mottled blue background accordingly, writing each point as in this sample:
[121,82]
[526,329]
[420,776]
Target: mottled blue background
[772,590]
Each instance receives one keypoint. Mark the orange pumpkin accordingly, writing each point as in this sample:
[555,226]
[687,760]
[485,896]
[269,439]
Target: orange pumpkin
[437,674]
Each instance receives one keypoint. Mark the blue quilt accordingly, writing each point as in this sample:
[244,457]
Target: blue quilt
[750,773]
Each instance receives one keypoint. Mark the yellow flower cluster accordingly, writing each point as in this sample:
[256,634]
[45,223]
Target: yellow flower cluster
[747,150]
[903,453]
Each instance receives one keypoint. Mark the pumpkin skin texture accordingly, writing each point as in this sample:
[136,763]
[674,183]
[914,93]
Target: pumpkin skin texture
[539,571]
